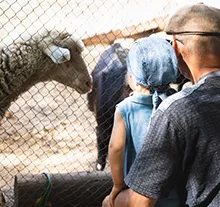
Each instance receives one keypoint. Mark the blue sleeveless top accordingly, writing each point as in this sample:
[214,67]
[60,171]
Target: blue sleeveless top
[136,111]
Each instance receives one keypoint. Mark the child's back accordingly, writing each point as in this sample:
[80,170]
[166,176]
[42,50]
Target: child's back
[136,111]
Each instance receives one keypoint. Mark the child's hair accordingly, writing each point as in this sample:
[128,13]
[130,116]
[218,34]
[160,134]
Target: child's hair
[152,61]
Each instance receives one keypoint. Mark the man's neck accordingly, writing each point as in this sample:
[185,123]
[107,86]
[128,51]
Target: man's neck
[205,71]
[200,68]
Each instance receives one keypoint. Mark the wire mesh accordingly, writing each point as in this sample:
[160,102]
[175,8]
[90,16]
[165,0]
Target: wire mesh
[49,128]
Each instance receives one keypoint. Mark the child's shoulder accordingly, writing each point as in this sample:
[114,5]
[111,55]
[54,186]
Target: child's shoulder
[125,101]
[139,98]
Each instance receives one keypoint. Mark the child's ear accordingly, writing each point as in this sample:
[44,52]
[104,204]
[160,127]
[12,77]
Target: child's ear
[148,87]
[128,74]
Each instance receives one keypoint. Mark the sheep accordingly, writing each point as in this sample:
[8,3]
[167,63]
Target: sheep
[51,55]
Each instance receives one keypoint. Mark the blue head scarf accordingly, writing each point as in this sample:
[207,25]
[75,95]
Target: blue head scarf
[152,61]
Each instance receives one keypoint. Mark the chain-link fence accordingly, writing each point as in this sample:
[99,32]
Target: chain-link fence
[49,128]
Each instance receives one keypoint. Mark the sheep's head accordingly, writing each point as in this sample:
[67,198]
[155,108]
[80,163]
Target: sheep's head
[66,52]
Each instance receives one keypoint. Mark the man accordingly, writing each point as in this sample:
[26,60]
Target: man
[182,148]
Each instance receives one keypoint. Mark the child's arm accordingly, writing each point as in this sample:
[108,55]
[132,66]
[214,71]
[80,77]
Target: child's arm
[116,155]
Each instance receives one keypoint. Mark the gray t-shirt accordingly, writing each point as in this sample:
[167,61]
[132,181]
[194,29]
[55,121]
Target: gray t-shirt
[182,148]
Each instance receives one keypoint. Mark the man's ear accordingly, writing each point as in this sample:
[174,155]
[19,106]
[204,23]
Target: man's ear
[176,48]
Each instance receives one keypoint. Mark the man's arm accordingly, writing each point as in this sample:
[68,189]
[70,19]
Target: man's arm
[157,166]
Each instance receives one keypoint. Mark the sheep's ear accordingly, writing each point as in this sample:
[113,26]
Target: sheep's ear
[57,54]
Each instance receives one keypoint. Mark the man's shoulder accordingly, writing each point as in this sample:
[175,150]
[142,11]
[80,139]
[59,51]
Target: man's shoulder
[180,99]
[190,96]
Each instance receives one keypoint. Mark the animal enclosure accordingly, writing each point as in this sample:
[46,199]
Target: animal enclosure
[49,128]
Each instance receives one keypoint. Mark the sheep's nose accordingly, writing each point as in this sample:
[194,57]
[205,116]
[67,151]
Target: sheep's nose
[89,85]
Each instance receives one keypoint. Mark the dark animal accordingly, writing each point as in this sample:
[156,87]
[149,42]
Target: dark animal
[109,88]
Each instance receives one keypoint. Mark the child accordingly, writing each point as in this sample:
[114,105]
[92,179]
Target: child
[152,65]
